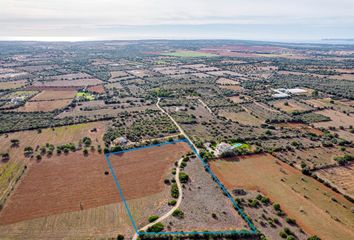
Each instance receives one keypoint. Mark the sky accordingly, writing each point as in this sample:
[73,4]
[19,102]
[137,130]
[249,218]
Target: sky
[79,20]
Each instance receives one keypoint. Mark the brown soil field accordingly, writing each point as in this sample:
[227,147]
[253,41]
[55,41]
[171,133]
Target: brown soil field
[104,222]
[313,157]
[69,83]
[242,118]
[339,105]
[72,76]
[301,197]
[301,126]
[74,182]
[233,87]
[337,119]
[141,172]
[291,107]
[118,74]
[341,176]
[96,89]
[226,81]
[61,135]
[12,84]
[47,95]
[116,85]
[344,134]
[44,106]
[349,77]
[237,99]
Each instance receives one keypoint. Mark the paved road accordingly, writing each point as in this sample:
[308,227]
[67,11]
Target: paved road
[169,213]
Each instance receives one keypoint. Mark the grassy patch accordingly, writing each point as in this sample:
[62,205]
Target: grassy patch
[85,96]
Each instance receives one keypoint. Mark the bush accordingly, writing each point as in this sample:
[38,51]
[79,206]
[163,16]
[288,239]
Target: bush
[172,202]
[290,220]
[282,234]
[183,177]
[290,237]
[178,213]
[288,231]
[276,207]
[153,218]
[120,237]
[314,238]
[174,190]
[157,227]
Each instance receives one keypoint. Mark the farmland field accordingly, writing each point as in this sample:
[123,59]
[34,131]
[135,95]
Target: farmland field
[75,182]
[225,81]
[12,84]
[313,157]
[337,119]
[48,95]
[13,168]
[300,197]
[69,83]
[290,106]
[44,106]
[340,176]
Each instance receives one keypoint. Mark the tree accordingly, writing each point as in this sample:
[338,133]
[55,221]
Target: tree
[87,141]
[120,237]
[276,207]
[28,151]
[85,151]
[15,142]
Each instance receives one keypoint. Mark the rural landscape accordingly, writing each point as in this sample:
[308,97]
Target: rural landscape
[176,139]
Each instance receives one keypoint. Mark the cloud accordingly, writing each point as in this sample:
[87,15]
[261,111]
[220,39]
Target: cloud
[78,17]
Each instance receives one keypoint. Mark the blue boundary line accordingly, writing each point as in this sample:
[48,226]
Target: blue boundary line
[237,207]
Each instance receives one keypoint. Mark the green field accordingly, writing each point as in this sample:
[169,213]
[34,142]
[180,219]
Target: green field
[85,95]
[188,54]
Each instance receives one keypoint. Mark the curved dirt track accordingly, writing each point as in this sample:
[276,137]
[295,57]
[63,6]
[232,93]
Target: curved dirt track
[169,213]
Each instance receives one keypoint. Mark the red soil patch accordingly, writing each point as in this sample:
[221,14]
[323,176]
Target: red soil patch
[73,182]
[96,89]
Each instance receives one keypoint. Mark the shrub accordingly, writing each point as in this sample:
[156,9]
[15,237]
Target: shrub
[120,237]
[290,237]
[276,207]
[290,220]
[288,231]
[174,190]
[153,218]
[87,141]
[282,234]
[178,213]
[157,227]
[253,203]
[314,238]
[172,202]
[183,177]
